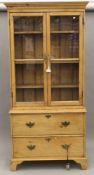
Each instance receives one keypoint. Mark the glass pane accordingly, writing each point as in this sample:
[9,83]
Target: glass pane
[65,81]
[29,82]
[29,95]
[28,37]
[65,94]
[28,23]
[28,47]
[65,23]
[64,37]
[64,46]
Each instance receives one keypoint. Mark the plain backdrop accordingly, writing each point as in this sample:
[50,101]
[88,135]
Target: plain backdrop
[5,141]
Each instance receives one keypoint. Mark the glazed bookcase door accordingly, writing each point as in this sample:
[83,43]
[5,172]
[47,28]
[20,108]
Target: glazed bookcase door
[65,57]
[28,59]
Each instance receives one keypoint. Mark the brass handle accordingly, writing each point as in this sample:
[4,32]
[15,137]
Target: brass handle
[64,124]
[48,116]
[30,124]
[31,147]
[66,146]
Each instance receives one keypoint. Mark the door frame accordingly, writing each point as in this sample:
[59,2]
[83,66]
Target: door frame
[81,56]
[12,59]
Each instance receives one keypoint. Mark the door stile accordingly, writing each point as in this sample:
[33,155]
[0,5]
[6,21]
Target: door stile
[81,57]
[13,57]
[45,56]
[49,59]
[12,60]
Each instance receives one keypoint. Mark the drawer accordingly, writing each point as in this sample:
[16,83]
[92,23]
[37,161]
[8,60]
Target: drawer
[28,125]
[48,146]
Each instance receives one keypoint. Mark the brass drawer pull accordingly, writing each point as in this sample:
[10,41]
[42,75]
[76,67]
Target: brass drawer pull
[30,124]
[66,147]
[31,147]
[65,124]
[48,116]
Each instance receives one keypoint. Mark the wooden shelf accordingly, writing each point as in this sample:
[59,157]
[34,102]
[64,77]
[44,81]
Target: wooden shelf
[39,32]
[41,86]
[53,60]
[29,86]
[28,61]
[65,86]
[65,32]
[65,60]
[27,32]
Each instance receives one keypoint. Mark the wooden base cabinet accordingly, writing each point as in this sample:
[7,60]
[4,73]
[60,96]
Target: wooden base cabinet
[47,82]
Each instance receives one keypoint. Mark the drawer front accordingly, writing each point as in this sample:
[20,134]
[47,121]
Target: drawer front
[48,146]
[28,125]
